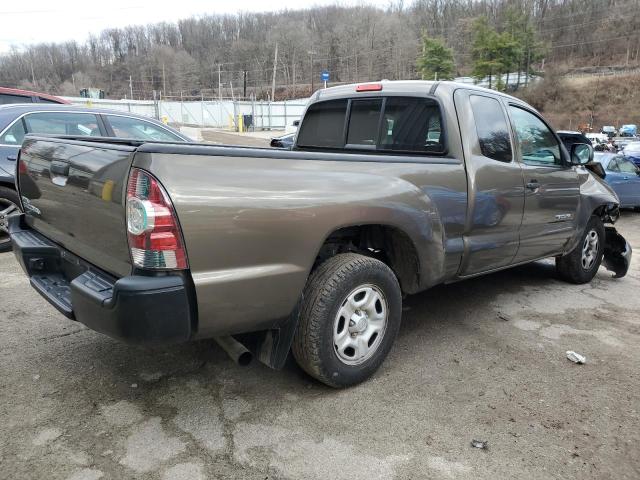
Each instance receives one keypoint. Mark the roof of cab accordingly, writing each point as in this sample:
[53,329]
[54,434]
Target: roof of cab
[407,87]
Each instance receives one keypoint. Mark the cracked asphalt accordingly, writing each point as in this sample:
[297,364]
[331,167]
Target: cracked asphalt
[482,359]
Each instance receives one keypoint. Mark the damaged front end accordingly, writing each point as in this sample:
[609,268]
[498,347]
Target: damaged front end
[617,253]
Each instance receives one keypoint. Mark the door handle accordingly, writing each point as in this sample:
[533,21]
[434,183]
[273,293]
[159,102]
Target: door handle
[12,158]
[533,185]
[60,168]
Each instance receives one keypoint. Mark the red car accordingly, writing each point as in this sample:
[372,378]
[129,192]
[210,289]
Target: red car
[13,95]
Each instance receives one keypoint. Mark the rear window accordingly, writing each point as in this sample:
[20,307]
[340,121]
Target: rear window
[412,125]
[394,124]
[364,122]
[6,98]
[323,125]
[47,100]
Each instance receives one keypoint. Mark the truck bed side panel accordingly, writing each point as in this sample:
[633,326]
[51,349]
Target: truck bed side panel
[253,226]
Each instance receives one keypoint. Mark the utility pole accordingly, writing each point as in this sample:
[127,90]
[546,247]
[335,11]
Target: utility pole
[219,85]
[311,69]
[273,80]
[164,81]
[130,87]
[244,84]
[33,76]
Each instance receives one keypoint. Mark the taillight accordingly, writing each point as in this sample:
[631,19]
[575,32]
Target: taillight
[155,240]
[22,167]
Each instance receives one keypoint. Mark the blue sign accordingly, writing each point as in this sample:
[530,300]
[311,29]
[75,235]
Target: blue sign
[324,76]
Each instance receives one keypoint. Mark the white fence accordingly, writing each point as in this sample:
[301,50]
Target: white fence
[256,115]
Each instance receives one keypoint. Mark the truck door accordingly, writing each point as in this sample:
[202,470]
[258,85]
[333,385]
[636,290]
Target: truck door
[552,190]
[495,183]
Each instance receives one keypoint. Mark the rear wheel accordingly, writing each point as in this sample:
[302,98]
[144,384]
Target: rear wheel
[9,205]
[349,319]
[582,263]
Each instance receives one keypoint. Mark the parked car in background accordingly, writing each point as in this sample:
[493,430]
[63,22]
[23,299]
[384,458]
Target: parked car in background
[14,95]
[622,142]
[597,138]
[630,130]
[632,152]
[609,130]
[284,141]
[19,119]
[623,176]
[293,128]
[570,138]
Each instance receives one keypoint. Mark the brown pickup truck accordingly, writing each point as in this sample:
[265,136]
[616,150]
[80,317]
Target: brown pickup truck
[390,189]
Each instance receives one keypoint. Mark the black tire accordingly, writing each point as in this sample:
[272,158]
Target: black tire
[6,195]
[571,268]
[325,294]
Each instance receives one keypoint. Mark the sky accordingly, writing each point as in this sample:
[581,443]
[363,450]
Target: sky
[39,21]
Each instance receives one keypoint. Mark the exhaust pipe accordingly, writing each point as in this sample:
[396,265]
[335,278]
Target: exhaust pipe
[237,351]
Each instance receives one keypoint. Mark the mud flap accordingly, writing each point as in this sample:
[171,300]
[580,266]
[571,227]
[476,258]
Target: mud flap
[272,347]
[617,253]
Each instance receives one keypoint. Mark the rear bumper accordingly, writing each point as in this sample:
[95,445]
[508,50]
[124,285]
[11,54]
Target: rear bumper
[134,309]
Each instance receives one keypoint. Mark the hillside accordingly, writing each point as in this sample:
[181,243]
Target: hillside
[223,55]
[569,102]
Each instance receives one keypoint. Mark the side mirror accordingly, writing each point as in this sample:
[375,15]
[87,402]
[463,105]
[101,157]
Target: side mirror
[581,154]
[596,168]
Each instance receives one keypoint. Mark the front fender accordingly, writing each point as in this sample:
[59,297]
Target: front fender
[595,196]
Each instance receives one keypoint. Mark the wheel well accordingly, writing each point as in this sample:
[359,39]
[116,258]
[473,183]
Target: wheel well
[608,213]
[387,244]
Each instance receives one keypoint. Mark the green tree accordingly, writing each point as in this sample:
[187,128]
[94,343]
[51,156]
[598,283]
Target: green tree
[529,49]
[436,60]
[484,51]
[493,53]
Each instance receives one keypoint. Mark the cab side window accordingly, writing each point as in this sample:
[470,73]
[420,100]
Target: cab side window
[60,123]
[624,165]
[127,127]
[14,135]
[492,129]
[538,144]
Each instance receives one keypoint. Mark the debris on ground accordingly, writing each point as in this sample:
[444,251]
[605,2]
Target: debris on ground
[503,317]
[576,357]
[480,444]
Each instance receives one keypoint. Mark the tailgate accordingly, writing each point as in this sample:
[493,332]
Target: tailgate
[73,192]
